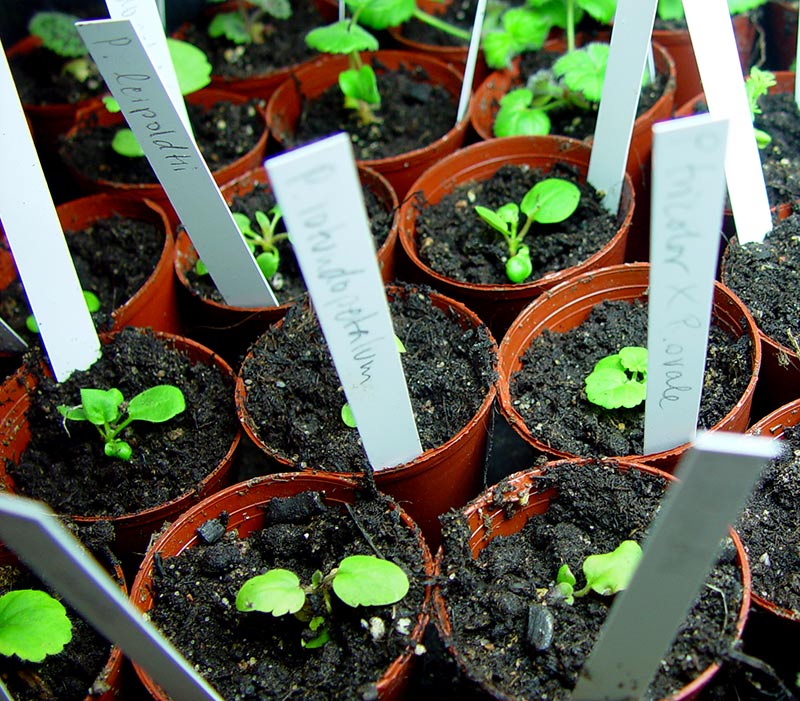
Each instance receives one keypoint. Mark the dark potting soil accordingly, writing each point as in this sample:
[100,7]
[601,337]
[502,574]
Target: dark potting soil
[284,45]
[459,13]
[256,656]
[113,258]
[454,241]
[768,527]
[75,672]
[288,281]
[780,160]
[766,277]
[70,471]
[413,114]
[489,599]
[548,391]
[224,133]
[294,396]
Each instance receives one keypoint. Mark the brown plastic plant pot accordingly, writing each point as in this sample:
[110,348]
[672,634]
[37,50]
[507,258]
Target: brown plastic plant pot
[286,104]
[779,377]
[229,329]
[243,503]
[498,304]
[487,520]
[774,426]
[97,114]
[133,530]
[440,479]
[780,24]
[679,45]
[568,305]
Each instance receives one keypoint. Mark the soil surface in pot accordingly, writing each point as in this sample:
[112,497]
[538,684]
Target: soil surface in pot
[294,396]
[288,281]
[225,132]
[548,391]
[73,672]
[454,241]
[65,466]
[780,160]
[113,257]
[459,13]
[283,46]
[766,277]
[413,113]
[490,600]
[256,656]
[768,526]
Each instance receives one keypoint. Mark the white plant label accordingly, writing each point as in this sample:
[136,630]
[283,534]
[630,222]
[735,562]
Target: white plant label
[714,44]
[627,58]
[176,160]
[321,199]
[472,59]
[688,196]
[147,20]
[33,532]
[37,243]
[716,475]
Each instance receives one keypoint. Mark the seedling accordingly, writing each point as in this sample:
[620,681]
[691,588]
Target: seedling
[111,414]
[606,574]
[246,24]
[550,201]
[619,380]
[92,304]
[193,72]
[58,34]
[262,243]
[757,84]
[359,580]
[32,625]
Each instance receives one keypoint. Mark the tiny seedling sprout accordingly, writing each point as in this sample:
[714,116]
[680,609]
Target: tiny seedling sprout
[757,84]
[550,201]
[246,24]
[359,580]
[32,625]
[605,573]
[111,414]
[619,380]
[92,304]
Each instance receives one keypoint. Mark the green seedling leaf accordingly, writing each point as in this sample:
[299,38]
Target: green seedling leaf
[737,7]
[615,383]
[191,66]
[523,29]
[343,37]
[101,406]
[551,201]
[157,404]
[504,220]
[499,49]
[601,10]
[58,34]
[119,449]
[347,416]
[634,359]
[111,104]
[609,573]
[277,592]
[382,14]
[517,116]
[584,70]
[365,580]
[360,84]
[243,222]
[519,267]
[230,25]
[92,301]
[565,584]
[279,9]
[399,345]
[125,144]
[32,625]
[670,9]
[268,262]
[317,625]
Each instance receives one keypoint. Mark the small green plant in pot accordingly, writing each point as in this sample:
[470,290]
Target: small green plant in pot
[58,34]
[32,625]
[605,573]
[619,380]
[757,85]
[550,201]
[249,22]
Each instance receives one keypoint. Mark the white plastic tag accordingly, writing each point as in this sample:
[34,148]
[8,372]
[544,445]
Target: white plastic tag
[472,59]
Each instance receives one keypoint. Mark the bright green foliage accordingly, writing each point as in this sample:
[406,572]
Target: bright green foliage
[673,9]
[737,7]
[518,117]
[601,10]
[523,29]
[104,409]
[606,573]
[359,580]
[92,304]
[125,144]
[619,380]
[584,70]
[247,25]
[32,625]
[360,85]
[382,14]
[343,37]
[757,84]
[58,34]
[550,201]
[347,416]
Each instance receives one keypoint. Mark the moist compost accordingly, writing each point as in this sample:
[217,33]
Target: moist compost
[766,277]
[548,391]
[413,113]
[490,600]
[460,13]
[65,466]
[288,281]
[113,258]
[256,656]
[780,160]
[284,44]
[294,396]
[224,133]
[454,241]
[768,527]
